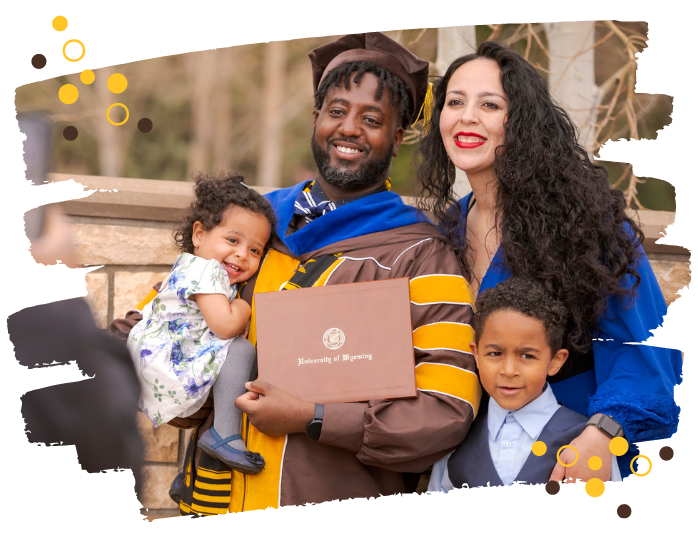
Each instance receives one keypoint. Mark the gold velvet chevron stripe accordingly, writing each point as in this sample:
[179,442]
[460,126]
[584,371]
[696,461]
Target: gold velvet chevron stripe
[431,289]
[443,336]
[450,380]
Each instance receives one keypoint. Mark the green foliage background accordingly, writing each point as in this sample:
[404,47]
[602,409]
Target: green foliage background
[163,152]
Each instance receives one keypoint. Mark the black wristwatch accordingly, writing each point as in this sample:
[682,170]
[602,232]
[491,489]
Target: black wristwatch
[606,425]
[314,427]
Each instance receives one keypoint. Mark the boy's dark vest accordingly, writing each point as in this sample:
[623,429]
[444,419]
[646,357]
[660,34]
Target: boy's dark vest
[471,463]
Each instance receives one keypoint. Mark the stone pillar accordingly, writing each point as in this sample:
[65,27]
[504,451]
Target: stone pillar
[572,74]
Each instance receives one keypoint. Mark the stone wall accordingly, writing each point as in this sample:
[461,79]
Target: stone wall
[128,233]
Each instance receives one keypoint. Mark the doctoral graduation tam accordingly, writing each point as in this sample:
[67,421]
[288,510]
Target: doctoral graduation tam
[382,51]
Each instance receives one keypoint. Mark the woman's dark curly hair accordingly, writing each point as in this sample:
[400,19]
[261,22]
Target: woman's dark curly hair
[561,223]
[215,192]
[527,297]
[399,94]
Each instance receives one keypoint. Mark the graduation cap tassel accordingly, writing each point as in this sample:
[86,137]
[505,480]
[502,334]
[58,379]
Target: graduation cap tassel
[427,108]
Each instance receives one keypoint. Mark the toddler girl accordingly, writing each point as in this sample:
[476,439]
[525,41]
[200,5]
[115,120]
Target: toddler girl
[193,325]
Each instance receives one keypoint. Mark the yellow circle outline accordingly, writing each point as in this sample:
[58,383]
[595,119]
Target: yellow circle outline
[633,461]
[575,453]
[74,59]
[117,123]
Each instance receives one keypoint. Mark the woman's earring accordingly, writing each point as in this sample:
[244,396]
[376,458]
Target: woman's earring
[451,172]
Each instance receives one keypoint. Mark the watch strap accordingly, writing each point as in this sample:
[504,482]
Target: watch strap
[606,424]
[314,427]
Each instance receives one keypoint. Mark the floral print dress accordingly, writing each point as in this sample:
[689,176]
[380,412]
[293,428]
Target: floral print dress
[177,357]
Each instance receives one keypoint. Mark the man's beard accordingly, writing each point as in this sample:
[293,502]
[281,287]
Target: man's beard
[369,174]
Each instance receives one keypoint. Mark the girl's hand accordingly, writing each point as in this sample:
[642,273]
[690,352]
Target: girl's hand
[225,319]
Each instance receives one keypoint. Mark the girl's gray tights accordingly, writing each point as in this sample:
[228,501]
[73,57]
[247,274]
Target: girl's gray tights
[229,385]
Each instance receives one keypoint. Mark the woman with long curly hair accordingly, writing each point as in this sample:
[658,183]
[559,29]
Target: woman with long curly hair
[541,209]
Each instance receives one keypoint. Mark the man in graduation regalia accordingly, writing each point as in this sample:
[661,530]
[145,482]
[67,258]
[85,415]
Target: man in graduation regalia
[342,227]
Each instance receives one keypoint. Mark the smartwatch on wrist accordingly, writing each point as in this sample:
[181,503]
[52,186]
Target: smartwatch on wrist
[606,425]
[314,427]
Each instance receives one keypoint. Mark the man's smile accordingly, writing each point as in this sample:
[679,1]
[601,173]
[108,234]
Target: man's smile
[346,151]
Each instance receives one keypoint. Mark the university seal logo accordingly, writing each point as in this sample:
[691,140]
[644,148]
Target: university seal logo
[333,338]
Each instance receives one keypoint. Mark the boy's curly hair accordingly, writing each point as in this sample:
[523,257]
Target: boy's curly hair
[215,192]
[527,297]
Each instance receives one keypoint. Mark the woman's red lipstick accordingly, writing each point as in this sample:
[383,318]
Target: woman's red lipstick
[469,144]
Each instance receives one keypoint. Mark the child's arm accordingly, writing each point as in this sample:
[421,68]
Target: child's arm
[227,320]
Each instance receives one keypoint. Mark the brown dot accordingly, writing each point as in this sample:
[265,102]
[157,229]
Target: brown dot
[145,125]
[666,453]
[552,487]
[624,511]
[38,61]
[70,133]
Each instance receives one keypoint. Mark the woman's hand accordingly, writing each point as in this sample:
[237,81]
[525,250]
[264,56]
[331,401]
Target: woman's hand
[592,442]
[56,242]
[196,419]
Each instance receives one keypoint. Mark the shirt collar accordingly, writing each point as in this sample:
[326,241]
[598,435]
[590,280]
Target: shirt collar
[532,417]
[318,196]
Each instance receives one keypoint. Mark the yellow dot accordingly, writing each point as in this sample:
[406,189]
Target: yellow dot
[595,462]
[117,83]
[68,94]
[618,446]
[539,448]
[595,487]
[60,23]
[87,77]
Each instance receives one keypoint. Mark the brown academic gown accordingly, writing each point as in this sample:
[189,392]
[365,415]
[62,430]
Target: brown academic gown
[365,448]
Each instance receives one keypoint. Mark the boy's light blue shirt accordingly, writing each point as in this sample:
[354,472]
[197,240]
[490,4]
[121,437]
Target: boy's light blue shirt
[511,434]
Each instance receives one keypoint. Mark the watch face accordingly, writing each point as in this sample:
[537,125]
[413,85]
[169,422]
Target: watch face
[313,430]
[609,426]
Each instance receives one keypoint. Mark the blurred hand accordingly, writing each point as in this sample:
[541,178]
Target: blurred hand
[55,244]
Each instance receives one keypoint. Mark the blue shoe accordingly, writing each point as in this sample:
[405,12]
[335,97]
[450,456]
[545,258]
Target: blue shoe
[246,462]
[177,488]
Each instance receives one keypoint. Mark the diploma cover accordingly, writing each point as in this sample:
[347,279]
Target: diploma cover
[340,343]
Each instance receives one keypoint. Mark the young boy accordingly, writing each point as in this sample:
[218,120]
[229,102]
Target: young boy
[519,331]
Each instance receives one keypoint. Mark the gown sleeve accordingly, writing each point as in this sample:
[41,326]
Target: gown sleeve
[409,435]
[635,383]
